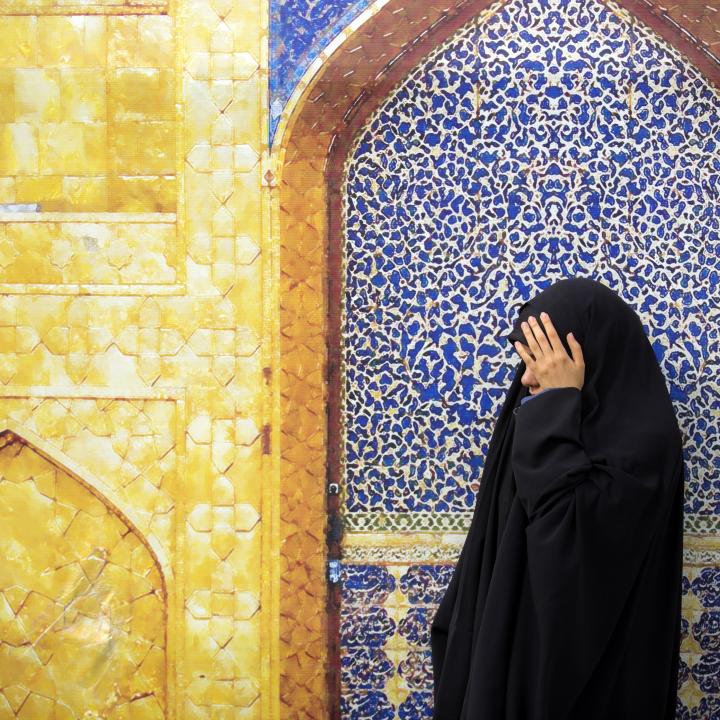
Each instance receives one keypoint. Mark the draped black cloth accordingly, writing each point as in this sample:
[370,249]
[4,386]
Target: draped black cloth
[565,600]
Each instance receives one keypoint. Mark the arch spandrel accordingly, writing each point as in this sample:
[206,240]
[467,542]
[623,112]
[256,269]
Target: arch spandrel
[82,597]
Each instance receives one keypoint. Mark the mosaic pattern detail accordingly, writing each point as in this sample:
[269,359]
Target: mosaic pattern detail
[418,552]
[65,248]
[140,465]
[385,629]
[82,601]
[697,20]
[700,647]
[385,645]
[584,145]
[180,450]
[299,30]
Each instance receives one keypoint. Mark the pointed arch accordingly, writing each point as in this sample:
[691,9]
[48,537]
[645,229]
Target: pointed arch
[101,490]
[340,90]
[83,590]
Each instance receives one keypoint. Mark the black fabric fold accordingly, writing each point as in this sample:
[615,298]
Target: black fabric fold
[565,601]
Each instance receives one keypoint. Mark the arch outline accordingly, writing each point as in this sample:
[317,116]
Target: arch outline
[340,89]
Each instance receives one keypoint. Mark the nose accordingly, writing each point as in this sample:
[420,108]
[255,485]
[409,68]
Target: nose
[528,379]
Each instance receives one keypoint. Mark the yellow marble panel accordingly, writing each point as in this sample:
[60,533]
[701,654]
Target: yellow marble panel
[7,93]
[84,194]
[47,189]
[141,94]
[146,193]
[142,148]
[7,188]
[82,95]
[73,147]
[139,41]
[37,95]
[72,41]
[18,149]
[18,41]
[129,251]
[91,99]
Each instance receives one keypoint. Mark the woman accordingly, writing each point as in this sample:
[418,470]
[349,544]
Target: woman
[565,600]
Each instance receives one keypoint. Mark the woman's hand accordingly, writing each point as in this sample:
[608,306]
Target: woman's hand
[550,363]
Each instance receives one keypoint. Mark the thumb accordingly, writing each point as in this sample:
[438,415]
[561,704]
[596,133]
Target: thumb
[577,353]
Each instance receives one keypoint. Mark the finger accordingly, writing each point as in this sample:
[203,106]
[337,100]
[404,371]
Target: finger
[531,341]
[553,337]
[540,335]
[522,351]
[577,353]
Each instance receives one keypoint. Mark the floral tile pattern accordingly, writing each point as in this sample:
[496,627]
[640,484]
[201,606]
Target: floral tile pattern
[554,139]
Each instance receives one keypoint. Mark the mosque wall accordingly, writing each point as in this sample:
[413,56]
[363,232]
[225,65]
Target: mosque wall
[188,529]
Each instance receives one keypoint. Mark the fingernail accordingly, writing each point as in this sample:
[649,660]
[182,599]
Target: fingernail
[543,314]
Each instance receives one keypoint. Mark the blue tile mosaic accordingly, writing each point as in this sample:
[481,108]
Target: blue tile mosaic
[707,631]
[385,653]
[555,139]
[299,30]
[385,650]
[706,586]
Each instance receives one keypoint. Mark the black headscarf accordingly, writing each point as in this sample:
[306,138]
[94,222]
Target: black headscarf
[565,600]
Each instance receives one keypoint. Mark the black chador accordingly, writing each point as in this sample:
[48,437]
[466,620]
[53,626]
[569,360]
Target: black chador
[565,600]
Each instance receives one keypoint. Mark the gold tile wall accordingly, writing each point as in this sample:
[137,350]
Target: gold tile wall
[135,383]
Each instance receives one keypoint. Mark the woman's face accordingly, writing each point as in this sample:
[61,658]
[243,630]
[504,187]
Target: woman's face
[529,380]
